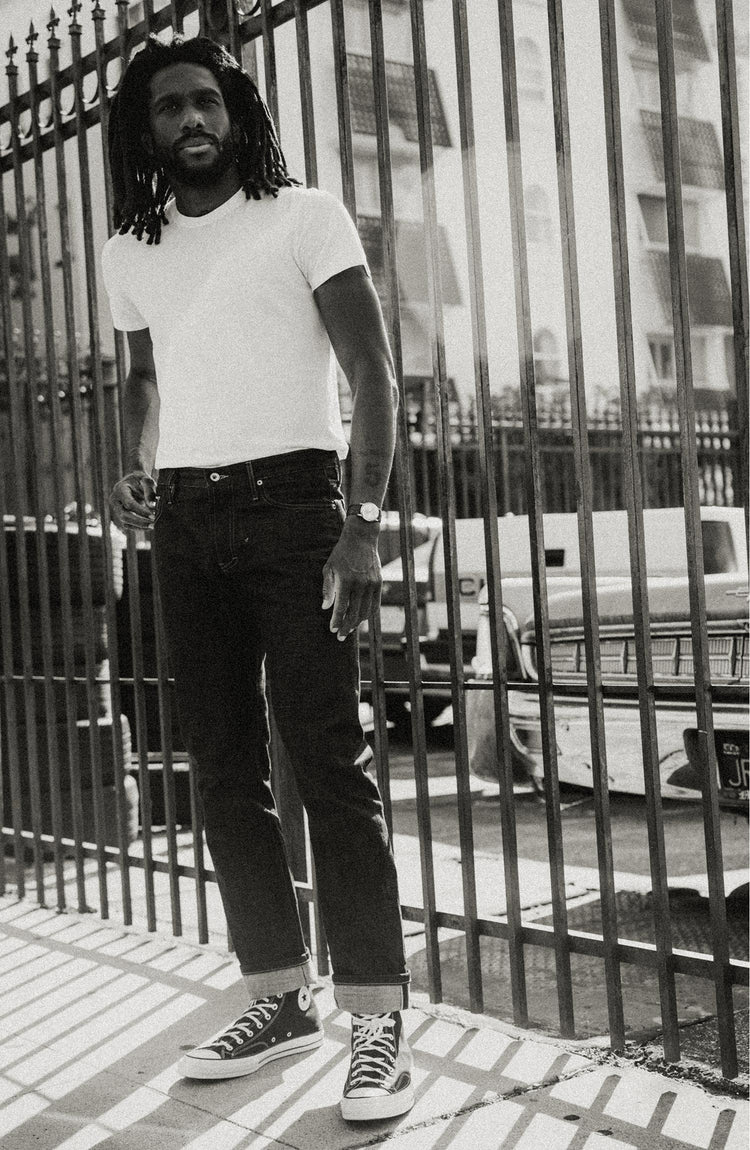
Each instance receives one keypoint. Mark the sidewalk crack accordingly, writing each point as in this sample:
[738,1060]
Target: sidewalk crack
[491,1100]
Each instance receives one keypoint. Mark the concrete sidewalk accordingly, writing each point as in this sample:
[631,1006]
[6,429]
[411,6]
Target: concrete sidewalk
[93,1019]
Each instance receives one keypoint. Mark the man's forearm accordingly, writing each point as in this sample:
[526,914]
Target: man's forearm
[140,422]
[372,440]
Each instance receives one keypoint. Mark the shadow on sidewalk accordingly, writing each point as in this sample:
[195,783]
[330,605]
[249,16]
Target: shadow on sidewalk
[94,1019]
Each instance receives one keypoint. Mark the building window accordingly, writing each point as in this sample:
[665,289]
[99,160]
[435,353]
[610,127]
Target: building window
[708,290]
[700,151]
[411,260]
[689,41]
[654,212]
[647,80]
[538,221]
[546,357]
[530,69]
[662,356]
[402,99]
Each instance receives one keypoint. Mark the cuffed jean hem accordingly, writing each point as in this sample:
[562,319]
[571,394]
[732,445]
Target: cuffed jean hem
[279,981]
[365,998]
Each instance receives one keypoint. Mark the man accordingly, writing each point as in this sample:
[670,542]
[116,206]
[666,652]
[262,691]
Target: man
[234,307]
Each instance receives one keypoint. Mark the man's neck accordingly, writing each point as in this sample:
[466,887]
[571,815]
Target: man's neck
[193,201]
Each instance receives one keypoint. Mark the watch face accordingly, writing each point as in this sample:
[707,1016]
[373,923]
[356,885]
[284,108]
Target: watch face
[370,512]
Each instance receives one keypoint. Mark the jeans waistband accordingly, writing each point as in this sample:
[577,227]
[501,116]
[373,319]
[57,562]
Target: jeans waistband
[292,461]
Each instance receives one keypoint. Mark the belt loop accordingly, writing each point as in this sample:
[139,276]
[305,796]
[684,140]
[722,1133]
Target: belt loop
[171,487]
[251,481]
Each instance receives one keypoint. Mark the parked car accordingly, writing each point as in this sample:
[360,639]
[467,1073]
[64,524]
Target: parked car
[664,528]
[672,656]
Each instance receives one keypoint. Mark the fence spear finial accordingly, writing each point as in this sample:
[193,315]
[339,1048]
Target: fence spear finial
[73,11]
[32,37]
[52,23]
[97,11]
[12,49]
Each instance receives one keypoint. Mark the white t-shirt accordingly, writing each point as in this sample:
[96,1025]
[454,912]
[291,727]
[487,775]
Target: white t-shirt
[244,364]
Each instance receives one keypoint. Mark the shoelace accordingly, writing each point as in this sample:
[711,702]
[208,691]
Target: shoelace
[373,1050]
[254,1018]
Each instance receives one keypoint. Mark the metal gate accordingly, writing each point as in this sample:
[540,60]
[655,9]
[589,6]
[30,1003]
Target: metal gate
[81,640]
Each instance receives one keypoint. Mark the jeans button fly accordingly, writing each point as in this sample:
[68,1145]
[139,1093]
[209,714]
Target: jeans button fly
[214,475]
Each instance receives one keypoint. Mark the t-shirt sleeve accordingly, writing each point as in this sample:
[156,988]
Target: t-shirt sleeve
[327,241]
[125,314]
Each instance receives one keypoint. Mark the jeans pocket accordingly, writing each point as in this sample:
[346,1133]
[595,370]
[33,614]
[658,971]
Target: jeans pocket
[300,492]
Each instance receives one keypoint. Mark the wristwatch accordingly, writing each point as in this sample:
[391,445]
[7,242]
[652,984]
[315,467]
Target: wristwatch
[370,512]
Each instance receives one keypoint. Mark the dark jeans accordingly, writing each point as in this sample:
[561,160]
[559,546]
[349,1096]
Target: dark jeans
[240,552]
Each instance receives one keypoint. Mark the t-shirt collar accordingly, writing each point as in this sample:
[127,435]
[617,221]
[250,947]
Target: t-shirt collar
[209,217]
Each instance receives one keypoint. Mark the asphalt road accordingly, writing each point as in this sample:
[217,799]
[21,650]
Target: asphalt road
[683,823]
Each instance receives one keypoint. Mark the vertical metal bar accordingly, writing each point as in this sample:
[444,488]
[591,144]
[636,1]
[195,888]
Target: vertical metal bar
[74,393]
[374,633]
[165,731]
[56,443]
[733,188]
[489,511]
[582,472]
[133,588]
[123,32]
[533,492]
[148,15]
[11,714]
[696,575]
[341,77]
[203,29]
[177,16]
[20,465]
[99,442]
[104,111]
[135,594]
[447,496]
[269,63]
[233,26]
[45,619]
[196,819]
[8,718]
[633,491]
[98,16]
[416,696]
[306,93]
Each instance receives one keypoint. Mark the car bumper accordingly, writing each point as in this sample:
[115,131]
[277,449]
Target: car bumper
[624,754]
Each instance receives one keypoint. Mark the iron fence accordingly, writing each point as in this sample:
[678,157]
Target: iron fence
[82,646]
[718,457]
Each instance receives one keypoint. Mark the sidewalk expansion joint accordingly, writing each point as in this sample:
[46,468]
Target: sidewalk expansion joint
[491,1100]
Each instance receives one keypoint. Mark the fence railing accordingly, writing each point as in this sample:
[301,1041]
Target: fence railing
[80,634]
[718,456]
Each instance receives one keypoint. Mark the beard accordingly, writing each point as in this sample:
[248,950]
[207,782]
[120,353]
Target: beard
[179,169]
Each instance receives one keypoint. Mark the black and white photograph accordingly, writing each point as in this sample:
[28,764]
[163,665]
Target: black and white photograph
[374,606]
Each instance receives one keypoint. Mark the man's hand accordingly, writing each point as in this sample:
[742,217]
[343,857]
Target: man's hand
[132,502]
[351,577]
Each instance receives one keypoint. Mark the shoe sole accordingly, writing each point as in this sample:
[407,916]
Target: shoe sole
[217,1068]
[371,1109]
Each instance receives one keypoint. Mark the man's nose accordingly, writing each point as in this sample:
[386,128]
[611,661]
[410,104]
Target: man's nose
[192,118]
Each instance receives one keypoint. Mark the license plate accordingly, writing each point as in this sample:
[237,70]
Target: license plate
[733,759]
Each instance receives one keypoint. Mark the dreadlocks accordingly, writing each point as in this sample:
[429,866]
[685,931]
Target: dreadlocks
[141,188]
